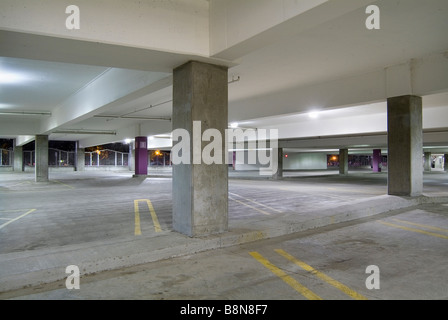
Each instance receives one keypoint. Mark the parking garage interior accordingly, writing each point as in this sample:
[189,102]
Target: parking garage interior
[87,115]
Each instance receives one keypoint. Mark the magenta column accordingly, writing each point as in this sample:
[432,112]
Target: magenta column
[141,156]
[376,160]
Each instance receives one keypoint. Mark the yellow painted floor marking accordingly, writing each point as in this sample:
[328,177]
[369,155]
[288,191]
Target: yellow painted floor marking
[248,205]
[256,202]
[155,220]
[137,230]
[414,230]
[17,184]
[307,293]
[322,276]
[421,225]
[17,218]
[66,185]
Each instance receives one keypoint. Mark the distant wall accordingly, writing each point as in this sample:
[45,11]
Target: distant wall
[305,161]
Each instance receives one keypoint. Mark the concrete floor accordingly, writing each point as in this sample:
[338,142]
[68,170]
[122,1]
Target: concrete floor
[88,219]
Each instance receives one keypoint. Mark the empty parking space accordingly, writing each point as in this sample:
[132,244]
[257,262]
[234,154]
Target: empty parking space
[79,208]
[95,209]
[330,263]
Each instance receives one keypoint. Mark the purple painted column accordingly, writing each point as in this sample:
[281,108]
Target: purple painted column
[141,156]
[376,160]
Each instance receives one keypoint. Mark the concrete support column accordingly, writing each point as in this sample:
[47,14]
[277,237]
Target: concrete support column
[405,143]
[41,156]
[376,160]
[279,154]
[200,190]
[141,156]
[18,159]
[131,156]
[427,162]
[343,161]
[445,162]
[80,159]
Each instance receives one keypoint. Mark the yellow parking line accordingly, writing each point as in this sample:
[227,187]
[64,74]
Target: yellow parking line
[248,205]
[15,219]
[17,184]
[154,216]
[307,293]
[137,230]
[421,225]
[66,185]
[414,230]
[155,220]
[329,280]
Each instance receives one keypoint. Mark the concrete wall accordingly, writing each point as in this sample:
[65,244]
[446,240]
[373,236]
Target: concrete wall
[294,161]
[242,162]
[305,161]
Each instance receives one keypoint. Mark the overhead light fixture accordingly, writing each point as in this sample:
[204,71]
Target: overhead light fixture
[12,77]
[127,141]
[26,113]
[234,125]
[133,117]
[82,131]
[313,114]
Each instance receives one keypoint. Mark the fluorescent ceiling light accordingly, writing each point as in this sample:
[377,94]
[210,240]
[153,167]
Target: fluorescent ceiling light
[313,114]
[26,113]
[82,131]
[12,77]
[234,125]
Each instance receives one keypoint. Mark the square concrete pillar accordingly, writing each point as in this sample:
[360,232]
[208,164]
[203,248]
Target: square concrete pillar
[376,160]
[131,156]
[405,143]
[18,159]
[278,152]
[343,161]
[80,159]
[200,190]
[41,156]
[141,156]
[427,162]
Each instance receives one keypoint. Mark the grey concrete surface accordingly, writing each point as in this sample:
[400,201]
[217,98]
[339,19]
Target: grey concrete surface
[88,219]
[405,144]
[408,247]
[200,205]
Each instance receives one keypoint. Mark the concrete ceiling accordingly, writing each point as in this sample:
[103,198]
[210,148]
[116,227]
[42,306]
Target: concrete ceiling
[337,67]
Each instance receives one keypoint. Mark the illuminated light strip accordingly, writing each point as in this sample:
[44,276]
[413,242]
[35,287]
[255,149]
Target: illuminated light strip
[15,219]
[307,293]
[322,276]
[26,113]
[260,204]
[248,205]
[414,230]
[421,225]
[155,220]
